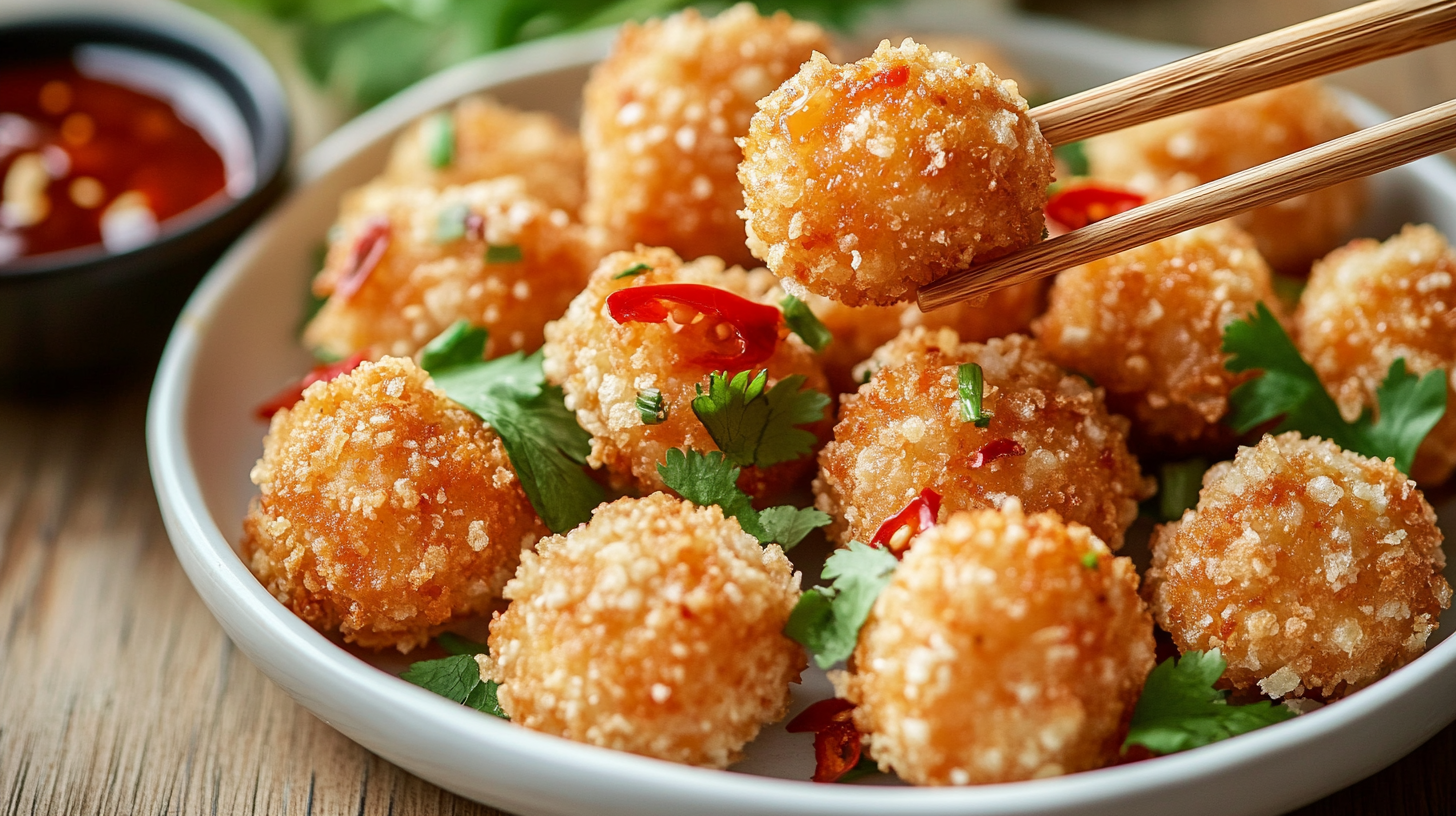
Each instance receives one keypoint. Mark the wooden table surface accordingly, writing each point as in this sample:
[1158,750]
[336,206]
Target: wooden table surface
[119,694]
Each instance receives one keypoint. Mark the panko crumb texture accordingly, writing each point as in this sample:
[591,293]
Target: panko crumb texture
[1315,571]
[863,182]
[660,118]
[386,511]
[1147,325]
[902,432]
[657,628]
[1370,303]
[492,141]
[602,365]
[1006,647]
[427,279]
[1168,155]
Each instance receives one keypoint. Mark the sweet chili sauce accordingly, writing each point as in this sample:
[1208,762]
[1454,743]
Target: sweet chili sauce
[85,161]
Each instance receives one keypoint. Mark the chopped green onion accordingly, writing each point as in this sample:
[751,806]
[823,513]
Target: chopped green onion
[440,139]
[502,254]
[651,406]
[802,322]
[969,393]
[1089,560]
[451,224]
[1181,482]
[632,271]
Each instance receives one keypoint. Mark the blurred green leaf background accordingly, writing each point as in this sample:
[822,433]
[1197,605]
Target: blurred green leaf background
[366,50]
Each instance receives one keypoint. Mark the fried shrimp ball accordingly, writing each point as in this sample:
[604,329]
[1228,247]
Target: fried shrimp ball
[1050,442]
[479,139]
[1172,154]
[1315,571]
[661,116]
[1006,647]
[863,182]
[656,628]
[603,366]
[1147,326]
[386,510]
[407,262]
[859,330]
[1369,304]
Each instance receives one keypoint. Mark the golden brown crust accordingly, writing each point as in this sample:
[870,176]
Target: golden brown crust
[1147,326]
[902,432]
[1369,303]
[1315,571]
[602,365]
[493,141]
[422,285]
[386,511]
[862,190]
[657,628]
[1183,151]
[660,119]
[997,654]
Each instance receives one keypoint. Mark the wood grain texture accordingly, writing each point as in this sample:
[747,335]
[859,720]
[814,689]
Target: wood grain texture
[1313,48]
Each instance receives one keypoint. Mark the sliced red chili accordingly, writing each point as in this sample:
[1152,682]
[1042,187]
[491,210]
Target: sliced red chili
[917,516]
[836,750]
[752,329]
[820,716]
[289,397]
[365,255]
[1081,203]
[996,449]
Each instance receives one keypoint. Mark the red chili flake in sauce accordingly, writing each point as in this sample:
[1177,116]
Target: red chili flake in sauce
[837,743]
[367,251]
[996,449]
[289,397]
[916,517]
[1081,203]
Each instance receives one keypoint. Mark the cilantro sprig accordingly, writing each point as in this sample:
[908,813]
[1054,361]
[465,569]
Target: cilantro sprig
[546,446]
[457,676]
[758,427]
[1290,390]
[827,620]
[710,478]
[1180,709]
[801,321]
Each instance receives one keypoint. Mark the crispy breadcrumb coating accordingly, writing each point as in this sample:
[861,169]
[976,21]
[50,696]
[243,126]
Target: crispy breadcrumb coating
[1369,303]
[1147,326]
[1006,647]
[903,432]
[427,279]
[1183,151]
[657,628]
[1315,571]
[660,119]
[493,141]
[386,510]
[863,182]
[859,330]
[603,365]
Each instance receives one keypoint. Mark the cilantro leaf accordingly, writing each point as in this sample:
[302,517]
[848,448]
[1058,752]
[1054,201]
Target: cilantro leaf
[458,678]
[460,344]
[757,427]
[827,620]
[710,478]
[546,446]
[1179,487]
[1289,388]
[788,525]
[970,385]
[457,645]
[801,321]
[706,479]
[1180,709]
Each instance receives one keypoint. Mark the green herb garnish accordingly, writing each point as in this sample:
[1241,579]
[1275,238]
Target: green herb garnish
[754,427]
[651,406]
[503,254]
[801,321]
[458,678]
[1074,155]
[439,133]
[1180,709]
[706,479]
[1090,560]
[970,383]
[1179,487]
[632,271]
[450,225]
[827,620]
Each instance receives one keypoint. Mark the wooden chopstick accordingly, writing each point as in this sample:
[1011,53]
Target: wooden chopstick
[1321,46]
[1373,150]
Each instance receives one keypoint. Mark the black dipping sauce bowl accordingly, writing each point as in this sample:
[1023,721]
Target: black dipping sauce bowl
[79,315]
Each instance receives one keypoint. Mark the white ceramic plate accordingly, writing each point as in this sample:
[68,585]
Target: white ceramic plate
[235,344]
